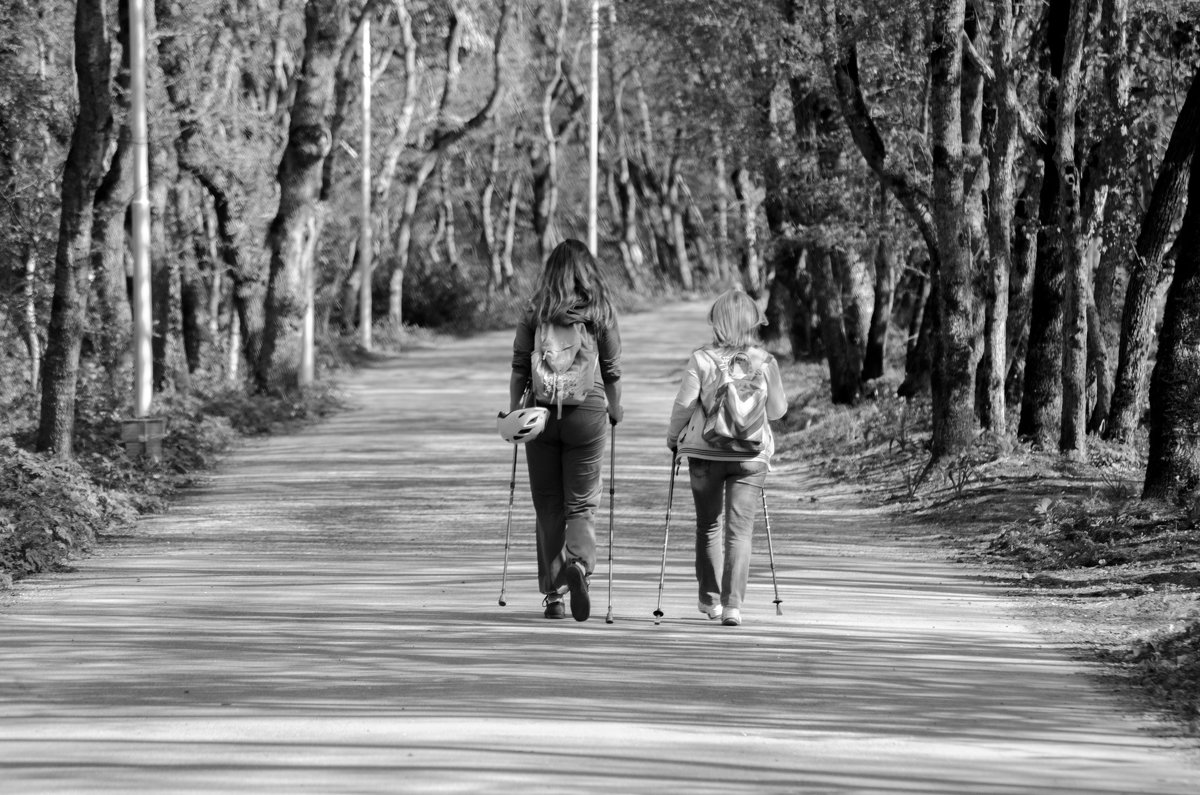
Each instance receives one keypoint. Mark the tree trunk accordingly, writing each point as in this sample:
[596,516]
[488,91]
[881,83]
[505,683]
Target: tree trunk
[875,357]
[487,225]
[191,289]
[396,145]
[545,197]
[721,206]
[843,374]
[449,228]
[1173,465]
[1107,285]
[545,152]
[245,294]
[163,263]
[348,315]
[632,256]
[235,342]
[29,320]
[1041,398]
[404,237]
[1114,149]
[954,383]
[1041,401]
[750,264]
[673,220]
[435,241]
[1145,270]
[111,340]
[1020,284]
[976,179]
[854,283]
[1001,201]
[216,279]
[162,295]
[695,229]
[327,25]
[1097,369]
[1073,435]
[789,308]
[918,359]
[629,242]
[511,203]
[82,172]
[653,188]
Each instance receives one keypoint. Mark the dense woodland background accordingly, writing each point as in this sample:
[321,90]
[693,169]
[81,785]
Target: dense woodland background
[988,207]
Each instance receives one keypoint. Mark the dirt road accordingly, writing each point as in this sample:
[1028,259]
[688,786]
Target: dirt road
[323,618]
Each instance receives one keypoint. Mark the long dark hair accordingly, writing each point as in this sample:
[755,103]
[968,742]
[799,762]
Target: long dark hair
[571,280]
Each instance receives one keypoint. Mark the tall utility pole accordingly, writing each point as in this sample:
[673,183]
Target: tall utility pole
[364,239]
[594,130]
[142,317]
[307,372]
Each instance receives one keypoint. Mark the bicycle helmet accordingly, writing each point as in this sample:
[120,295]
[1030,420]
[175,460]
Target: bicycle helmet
[521,425]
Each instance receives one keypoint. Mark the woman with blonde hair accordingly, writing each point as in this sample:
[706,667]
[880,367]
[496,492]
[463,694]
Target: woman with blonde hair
[720,423]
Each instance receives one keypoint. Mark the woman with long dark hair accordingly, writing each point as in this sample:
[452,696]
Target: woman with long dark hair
[567,357]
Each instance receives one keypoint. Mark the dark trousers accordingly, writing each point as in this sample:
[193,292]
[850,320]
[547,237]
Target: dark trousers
[565,463]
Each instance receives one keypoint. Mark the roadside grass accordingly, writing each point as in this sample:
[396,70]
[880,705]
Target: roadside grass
[52,512]
[1113,577]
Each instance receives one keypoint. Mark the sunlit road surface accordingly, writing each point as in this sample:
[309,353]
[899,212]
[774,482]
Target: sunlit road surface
[324,617]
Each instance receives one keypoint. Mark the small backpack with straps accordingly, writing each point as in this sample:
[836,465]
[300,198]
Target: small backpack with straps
[737,418]
[564,363]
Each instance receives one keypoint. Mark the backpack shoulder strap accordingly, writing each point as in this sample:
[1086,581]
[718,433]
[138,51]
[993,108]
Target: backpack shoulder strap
[712,356]
[586,331]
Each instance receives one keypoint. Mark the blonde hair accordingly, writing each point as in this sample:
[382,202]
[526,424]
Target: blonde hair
[735,318]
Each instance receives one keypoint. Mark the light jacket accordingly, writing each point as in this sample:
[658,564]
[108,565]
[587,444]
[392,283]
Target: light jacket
[685,431]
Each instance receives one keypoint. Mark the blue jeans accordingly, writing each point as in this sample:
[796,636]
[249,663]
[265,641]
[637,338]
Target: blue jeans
[732,491]
[564,479]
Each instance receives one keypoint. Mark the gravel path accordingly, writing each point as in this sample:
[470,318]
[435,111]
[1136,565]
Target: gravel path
[323,617]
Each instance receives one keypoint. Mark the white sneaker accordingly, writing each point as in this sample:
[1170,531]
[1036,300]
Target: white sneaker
[732,617]
[713,612]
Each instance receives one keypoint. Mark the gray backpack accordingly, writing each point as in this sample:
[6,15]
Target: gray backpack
[564,364]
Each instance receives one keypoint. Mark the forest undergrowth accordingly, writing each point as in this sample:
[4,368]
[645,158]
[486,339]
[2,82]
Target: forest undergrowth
[1112,577]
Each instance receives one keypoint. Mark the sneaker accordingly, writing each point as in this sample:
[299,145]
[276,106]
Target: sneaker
[581,603]
[731,617]
[713,612]
[554,606]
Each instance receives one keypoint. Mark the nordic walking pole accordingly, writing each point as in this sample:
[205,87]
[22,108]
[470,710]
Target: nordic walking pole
[771,553]
[662,572]
[512,490]
[612,491]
